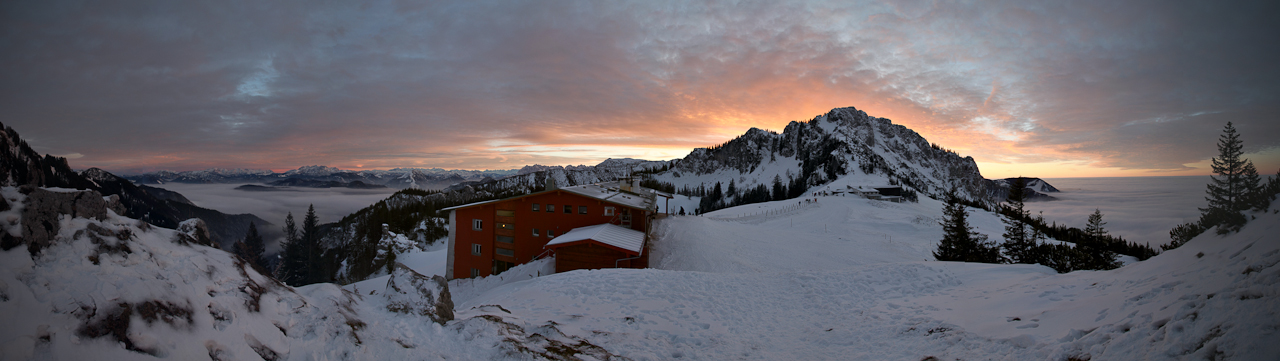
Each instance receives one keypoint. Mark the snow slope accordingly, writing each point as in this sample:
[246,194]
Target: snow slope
[833,287]
[119,289]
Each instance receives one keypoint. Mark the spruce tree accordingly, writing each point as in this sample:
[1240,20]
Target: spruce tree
[959,241]
[1018,244]
[1235,187]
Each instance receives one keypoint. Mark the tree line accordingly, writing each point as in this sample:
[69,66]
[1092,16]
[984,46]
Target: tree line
[1234,189]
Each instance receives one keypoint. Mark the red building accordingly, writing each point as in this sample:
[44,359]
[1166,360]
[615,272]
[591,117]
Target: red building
[487,238]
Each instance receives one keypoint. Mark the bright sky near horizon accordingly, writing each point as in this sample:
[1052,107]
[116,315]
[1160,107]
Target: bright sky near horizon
[1032,88]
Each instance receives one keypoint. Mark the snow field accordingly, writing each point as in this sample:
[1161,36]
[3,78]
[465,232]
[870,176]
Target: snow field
[764,289]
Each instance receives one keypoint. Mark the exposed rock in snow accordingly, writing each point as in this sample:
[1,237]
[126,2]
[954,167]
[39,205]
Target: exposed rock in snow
[193,231]
[411,293]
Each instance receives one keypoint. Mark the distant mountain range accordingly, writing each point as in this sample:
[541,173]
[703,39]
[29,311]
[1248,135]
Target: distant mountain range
[318,176]
[22,166]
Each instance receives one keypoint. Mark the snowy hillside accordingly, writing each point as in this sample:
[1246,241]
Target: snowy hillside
[114,288]
[848,278]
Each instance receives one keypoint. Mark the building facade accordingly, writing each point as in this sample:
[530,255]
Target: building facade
[487,238]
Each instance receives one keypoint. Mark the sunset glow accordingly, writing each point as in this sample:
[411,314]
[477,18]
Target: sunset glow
[1046,89]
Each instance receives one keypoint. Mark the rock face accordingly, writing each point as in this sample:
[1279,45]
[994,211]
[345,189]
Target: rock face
[410,292]
[42,209]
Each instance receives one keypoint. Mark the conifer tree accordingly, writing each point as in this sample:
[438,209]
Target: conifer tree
[959,241]
[293,258]
[1018,244]
[251,248]
[1094,250]
[1094,227]
[314,269]
[1234,188]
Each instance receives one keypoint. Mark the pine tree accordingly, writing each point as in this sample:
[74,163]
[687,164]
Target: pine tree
[959,241]
[1018,244]
[1235,187]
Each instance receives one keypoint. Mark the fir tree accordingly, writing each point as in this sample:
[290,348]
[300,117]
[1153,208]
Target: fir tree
[1234,189]
[1018,245]
[959,241]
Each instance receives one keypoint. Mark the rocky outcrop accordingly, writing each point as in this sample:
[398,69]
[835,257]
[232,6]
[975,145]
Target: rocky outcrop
[193,231]
[411,293]
[43,208]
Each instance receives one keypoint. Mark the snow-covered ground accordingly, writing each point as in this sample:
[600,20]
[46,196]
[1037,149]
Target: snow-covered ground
[849,278]
[843,278]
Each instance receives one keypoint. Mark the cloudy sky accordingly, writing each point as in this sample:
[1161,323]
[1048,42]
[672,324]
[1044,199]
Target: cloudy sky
[1055,89]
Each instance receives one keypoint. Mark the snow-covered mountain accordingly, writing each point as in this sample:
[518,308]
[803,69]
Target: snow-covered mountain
[1036,189]
[843,141]
[400,178]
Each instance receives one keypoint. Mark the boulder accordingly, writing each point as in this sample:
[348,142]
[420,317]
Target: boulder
[193,231]
[410,292]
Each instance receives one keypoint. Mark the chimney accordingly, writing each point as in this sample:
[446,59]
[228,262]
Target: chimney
[625,185]
[551,184]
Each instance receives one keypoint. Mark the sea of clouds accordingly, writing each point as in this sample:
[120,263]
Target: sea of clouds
[1140,209]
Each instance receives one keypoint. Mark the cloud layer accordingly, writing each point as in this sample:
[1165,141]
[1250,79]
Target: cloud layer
[1120,87]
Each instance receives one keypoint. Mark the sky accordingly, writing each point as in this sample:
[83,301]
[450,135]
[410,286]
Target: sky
[1047,89]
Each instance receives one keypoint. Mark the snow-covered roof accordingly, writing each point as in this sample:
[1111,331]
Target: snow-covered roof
[609,234]
[642,198]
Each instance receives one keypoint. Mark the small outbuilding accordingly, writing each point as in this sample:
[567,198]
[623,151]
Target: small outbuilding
[599,246]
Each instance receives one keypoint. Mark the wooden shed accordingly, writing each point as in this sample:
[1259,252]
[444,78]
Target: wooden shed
[599,246]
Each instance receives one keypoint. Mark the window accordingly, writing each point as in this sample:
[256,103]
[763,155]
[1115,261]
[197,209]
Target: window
[506,226]
[582,209]
[505,252]
[501,266]
[608,211]
[475,272]
[551,233]
[535,232]
[475,249]
[506,239]
[477,224]
[568,208]
[551,208]
[506,213]
[535,207]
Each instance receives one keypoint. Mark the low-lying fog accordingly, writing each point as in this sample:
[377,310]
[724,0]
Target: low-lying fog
[331,203]
[1140,209]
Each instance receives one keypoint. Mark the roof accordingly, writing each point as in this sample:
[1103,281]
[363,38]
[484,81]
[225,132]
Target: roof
[608,192]
[626,239]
